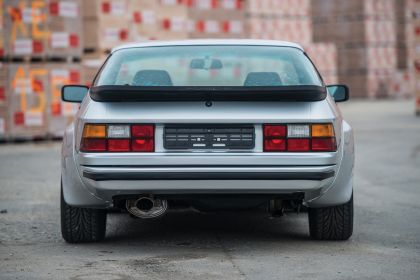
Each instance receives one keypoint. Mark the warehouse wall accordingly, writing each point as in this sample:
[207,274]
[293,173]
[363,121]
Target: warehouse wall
[368,44]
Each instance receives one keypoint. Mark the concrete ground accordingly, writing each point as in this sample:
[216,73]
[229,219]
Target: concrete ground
[189,245]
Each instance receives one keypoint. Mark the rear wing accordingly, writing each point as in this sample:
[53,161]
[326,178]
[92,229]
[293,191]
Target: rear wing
[114,93]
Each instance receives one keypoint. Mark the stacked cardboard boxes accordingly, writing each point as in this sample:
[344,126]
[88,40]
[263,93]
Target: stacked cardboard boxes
[26,30]
[144,20]
[65,29]
[40,37]
[27,104]
[172,20]
[105,24]
[290,20]
[364,32]
[217,19]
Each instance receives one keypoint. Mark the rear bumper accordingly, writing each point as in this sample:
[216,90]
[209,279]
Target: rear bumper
[107,183]
[208,173]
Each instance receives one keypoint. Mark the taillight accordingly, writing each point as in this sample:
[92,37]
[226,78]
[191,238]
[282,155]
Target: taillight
[118,138]
[94,138]
[323,138]
[299,138]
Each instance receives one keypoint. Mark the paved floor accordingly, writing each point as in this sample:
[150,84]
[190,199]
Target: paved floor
[189,245]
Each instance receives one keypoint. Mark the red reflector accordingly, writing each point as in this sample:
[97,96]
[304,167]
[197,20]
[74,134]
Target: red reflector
[142,145]
[142,131]
[118,145]
[93,145]
[274,130]
[297,145]
[323,144]
[274,145]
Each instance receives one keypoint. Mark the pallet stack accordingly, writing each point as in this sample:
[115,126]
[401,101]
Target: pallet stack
[290,20]
[365,33]
[42,41]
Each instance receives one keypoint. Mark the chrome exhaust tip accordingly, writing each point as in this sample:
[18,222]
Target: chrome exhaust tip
[146,207]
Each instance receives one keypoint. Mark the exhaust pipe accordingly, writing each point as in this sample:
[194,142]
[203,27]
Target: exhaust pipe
[146,207]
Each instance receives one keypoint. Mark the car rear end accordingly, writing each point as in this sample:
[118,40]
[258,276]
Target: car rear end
[206,139]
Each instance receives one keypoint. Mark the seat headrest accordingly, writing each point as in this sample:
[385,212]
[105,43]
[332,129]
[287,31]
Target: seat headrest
[262,79]
[152,78]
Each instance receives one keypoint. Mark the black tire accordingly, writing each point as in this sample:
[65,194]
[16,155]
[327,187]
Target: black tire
[331,223]
[80,225]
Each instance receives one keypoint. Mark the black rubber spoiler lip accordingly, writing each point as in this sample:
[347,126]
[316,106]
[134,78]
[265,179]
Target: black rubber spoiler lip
[220,93]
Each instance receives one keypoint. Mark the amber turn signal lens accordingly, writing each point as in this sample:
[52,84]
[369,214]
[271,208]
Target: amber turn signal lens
[322,130]
[94,131]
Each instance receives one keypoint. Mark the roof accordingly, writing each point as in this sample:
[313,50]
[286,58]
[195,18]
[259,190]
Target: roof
[206,42]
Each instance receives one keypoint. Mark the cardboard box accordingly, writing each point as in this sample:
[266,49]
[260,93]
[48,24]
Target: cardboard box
[105,24]
[65,28]
[143,20]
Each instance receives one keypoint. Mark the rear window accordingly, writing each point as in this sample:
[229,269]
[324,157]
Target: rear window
[208,66]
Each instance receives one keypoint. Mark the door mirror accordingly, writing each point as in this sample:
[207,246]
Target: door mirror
[74,93]
[340,93]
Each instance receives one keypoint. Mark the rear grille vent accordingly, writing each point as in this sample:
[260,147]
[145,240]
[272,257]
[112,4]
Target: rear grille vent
[209,137]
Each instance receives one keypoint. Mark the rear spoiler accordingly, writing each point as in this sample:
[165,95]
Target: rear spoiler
[115,93]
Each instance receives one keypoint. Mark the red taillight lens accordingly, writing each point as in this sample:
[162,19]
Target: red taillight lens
[142,131]
[323,144]
[93,145]
[298,145]
[118,145]
[274,130]
[143,138]
[274,145]
[274,138]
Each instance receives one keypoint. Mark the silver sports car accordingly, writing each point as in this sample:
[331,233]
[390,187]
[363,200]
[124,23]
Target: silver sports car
[211,124]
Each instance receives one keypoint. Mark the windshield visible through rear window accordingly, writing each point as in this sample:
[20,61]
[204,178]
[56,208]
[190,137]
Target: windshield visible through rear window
[221,65]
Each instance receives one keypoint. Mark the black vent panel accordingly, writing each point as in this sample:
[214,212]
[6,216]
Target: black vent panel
[209,137]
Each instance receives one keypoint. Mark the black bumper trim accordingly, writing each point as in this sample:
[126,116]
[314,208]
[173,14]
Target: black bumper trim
[130,176]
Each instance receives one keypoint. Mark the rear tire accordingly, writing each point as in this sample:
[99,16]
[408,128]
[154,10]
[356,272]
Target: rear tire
[331,223]
[80,225]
